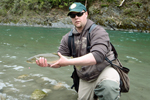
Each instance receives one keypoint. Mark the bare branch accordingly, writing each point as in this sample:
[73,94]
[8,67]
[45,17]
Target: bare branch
[85,3]
[121,3]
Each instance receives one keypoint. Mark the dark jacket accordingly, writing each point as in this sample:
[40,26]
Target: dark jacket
[100,48]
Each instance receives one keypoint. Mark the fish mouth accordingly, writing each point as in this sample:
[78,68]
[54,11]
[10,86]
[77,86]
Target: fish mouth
[32,60]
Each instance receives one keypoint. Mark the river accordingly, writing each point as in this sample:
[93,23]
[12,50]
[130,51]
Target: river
[17,44]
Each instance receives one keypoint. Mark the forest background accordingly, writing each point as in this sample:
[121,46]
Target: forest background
[131,15]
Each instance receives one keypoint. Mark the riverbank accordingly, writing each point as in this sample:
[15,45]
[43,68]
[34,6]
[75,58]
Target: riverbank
[130,16]
[65,22]
[63,25]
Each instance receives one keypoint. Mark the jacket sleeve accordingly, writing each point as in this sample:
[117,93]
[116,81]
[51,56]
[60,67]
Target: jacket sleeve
[100,43]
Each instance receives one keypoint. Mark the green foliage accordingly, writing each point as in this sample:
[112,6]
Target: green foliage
[104,5]
[138,4]
[106,0]
[110,0]
[19,6]
[61,6]
[3,12]
[129,12]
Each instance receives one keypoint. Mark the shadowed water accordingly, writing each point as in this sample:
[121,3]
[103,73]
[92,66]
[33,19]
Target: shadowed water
[17,44]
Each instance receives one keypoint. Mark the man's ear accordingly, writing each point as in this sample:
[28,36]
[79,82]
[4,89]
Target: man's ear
[86,13]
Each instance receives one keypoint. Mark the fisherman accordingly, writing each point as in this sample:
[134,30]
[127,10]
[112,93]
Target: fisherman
[96,76]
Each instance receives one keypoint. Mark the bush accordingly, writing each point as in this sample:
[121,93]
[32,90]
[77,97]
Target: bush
[138,4]
[3,12]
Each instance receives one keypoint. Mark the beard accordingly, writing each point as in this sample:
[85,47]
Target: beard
[79,26]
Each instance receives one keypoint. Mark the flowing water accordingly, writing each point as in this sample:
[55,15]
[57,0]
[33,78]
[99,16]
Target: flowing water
[17,44]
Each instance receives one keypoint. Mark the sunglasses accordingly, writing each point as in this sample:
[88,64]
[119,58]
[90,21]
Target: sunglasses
[78,14]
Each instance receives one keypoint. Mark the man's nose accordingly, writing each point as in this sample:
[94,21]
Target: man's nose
[76,16]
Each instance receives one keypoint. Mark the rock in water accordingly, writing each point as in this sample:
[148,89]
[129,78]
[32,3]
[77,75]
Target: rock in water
[58,86]
[47,90]
[23,76]
[38,95]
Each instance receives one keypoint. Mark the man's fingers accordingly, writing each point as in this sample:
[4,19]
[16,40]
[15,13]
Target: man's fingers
[42,62]
[45,62]
[37,62]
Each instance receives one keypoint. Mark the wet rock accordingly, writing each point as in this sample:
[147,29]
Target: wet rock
[23,76]
[38,95]
[47,90]
[58,86]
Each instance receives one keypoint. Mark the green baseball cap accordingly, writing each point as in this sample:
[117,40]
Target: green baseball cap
[76,7]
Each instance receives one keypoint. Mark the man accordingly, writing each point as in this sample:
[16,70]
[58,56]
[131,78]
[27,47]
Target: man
[97,77]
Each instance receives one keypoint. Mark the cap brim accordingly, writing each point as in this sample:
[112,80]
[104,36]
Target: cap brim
[74,10]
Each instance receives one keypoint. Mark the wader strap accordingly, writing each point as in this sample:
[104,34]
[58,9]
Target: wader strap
[114,50]
[89,38]
[71,41]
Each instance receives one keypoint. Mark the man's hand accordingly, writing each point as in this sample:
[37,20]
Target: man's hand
[85,60]
[42,62]
[63,61]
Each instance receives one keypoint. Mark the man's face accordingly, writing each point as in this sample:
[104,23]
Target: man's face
[79,19]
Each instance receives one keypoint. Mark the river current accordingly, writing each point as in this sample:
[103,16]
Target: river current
[17,44]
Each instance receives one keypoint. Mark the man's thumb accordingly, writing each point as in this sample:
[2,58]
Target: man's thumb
[59,54]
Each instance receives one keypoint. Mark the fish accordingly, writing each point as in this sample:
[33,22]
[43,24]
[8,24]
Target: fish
[51,58]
